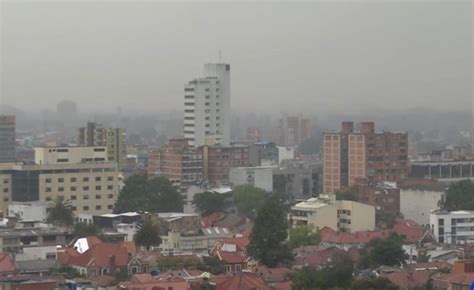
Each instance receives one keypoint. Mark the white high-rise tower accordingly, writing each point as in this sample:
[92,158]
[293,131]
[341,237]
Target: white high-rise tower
[207,107]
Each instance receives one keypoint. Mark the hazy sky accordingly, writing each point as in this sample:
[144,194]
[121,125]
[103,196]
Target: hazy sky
[309,56]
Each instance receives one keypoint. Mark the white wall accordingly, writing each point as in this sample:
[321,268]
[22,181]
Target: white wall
[28,211]
[417,204]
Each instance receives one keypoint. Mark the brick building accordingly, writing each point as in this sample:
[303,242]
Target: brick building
[349,155]
[218,160]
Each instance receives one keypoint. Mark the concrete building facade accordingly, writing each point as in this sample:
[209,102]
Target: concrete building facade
[453,227]
[70,154]
[293,130]
[339,215]
[207,107]
[115,139]
[218,161]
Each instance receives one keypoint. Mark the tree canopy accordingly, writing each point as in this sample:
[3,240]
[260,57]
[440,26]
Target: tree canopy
[304,235]
[148,235]
[337,275]
[209,202]
[249,199]
[83,229]
[460,196]
[388,252]
[141,193]
[60,212]
[268,237]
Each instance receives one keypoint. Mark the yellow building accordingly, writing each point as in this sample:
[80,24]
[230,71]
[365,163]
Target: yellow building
[70,154]
[339,215]
[91,188]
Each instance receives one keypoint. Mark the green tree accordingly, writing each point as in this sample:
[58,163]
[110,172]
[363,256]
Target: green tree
[460,196]
[373,284]
[148,235]
[209,202]
[211,265]
[249,199]
[337,275]
[83,229]
[304,235]
[141,193]
[60,212]
[268,237]
[67,271]
[388,252]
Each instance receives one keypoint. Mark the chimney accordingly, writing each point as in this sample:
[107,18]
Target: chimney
[367,127]
[347,127]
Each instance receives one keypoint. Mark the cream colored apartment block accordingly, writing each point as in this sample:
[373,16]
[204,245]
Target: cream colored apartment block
[339,215]
[70,154]
[357,158]
[332,163]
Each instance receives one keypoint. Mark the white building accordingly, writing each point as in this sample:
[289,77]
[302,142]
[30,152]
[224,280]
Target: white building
[28,211]
[207,107]
[452,227]
[70,154]
[417,203]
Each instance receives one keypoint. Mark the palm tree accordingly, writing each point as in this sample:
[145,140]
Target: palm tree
[60,212]
[148,235]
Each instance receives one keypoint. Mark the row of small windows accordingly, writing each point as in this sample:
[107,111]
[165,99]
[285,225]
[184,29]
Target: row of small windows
[73,188]
[74,179]
[97,207]
[84,197]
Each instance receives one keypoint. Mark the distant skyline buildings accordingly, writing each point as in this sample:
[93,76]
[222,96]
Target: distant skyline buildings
[293,130]
[207,107]
[7,138]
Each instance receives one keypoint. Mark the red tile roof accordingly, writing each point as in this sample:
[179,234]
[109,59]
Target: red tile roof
[237,257]
[232,257]
[178,284]
[6,263]
[243,281]
[287,285]
[458,278]
[101,254]
[409,279]
[430,266]
[210,220]
[363,237]
[410,230]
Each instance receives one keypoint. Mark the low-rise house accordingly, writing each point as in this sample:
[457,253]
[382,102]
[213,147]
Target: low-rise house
[331,238]
[233,253]
[320,256]
[92,257]
[110,221]
[197,241]
[413,233]
[453,281]
[178,221]
[148,282]
[407,280]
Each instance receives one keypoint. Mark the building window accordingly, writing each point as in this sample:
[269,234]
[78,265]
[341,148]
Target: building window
[85,208]
[110,196]
[85,196]
[98,207]
[73,179]
[110,206]
[73,197]
[98,187]
[48,198]
[5,199]
[5,190]
[5,181]
[47,189]
[110,178]
[47,180]
[62,160]
[74,208]
[98,178]
[73,188]
[110,187]
[98,196]
[85,188]
[85,179]
[61,189]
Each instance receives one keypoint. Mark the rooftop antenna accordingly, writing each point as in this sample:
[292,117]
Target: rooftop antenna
[220,56]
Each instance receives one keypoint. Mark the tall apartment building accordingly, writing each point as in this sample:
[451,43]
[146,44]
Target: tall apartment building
[293,130]
[349,155]
[218,160]
[207,107]
[7,139]
[91,188]
[115,139]
[180,162]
